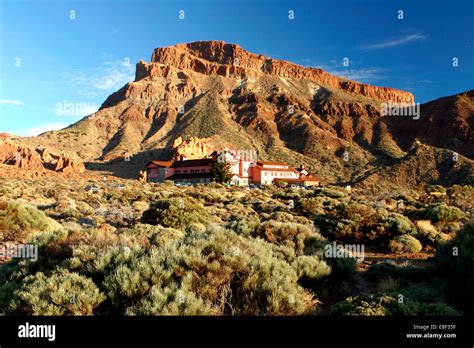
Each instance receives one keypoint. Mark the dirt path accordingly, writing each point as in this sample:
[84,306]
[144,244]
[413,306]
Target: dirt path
[421,260]
[416,260]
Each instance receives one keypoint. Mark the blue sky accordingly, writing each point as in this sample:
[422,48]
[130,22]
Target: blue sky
[50,61]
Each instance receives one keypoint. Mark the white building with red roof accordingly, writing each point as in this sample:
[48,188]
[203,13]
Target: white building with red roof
[244,171]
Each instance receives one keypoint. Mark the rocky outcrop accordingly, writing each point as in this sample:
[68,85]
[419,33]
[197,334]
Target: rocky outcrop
[230,60]
[15,154]
[193,148]
[65,164]
[142,175]
[36,159]
[198,97]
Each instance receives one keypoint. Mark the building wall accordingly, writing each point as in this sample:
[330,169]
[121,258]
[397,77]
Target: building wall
[234,167]
[256,175]
[239,181]
[152,173]
[190,170]
[164,173]
[268,175]
[247,170]
[159,174]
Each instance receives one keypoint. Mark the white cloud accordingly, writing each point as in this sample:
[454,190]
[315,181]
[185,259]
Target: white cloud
[365,75]
[12,102]
[394,42]
[41,129]
[107,77]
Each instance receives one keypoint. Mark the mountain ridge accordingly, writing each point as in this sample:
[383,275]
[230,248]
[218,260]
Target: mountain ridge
[231,60]
[214,95]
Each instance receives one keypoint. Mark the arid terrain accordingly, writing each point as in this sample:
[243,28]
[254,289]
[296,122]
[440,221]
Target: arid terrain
[191,99]
[126,247]
[389,231]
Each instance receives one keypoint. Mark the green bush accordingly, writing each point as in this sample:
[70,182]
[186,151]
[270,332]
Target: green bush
[405,244]
[18,221]
[176,212]
[208,273]
[212,250]
[415,308]
[290,193]
[246,226]
[427,292]
[289,234]
[406,274]
[61,293]
[383,305]
[369,305]
[313,205]
[399,224]
[436,188]
[256,284]
[428,234]
[333,192]
[353,223]
[444,213]
[171,301]
[282,216]
[311,267]
[454,261]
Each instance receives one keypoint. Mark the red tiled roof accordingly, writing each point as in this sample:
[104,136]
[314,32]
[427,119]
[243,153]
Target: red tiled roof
[165,164]
[310,177]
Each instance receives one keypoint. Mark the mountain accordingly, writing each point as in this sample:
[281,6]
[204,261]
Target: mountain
[445,122]
[193,98]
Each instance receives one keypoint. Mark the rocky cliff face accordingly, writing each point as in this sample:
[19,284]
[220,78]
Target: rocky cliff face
[447,122]
[232,61]
[193,148]
[192,98]
[34,161]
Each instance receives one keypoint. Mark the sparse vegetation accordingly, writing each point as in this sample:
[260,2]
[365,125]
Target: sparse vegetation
[17,221]
[221,172]
[405,243]
[158,249]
